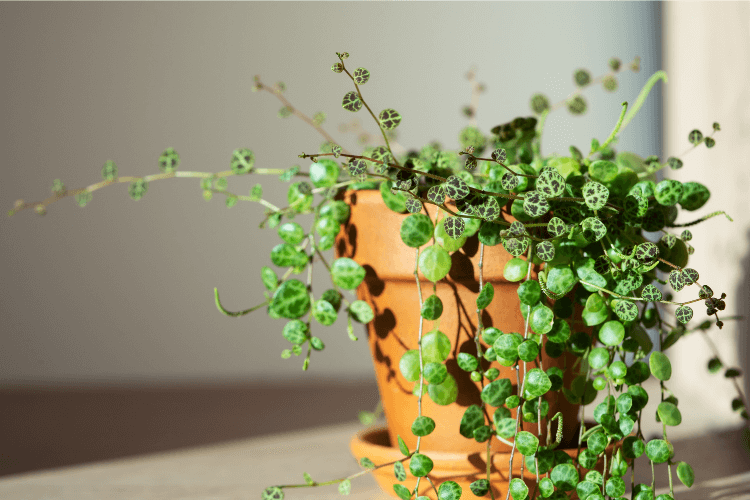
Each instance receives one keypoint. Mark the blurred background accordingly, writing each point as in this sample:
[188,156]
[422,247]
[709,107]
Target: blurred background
[110,341]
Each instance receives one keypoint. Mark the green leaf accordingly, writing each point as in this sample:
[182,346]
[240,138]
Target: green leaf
[527,443]
[436,347]
[536,383]
[285,255]
[269,278]
[515,269]
[660,366]
[346,273]
[615,487]
[564,477]
[669,414]
[444,393]
[137,189]
[528,350]
[399,471]
[416,230]
[456,188]
[420,465]
[409,365]
[109,171]
[480,487]
[603,171]
[518,489]
[295,331]
[632,447]
[668,192]
[345,487]
[658,451]
[324,312]
[506,427]
[449,490]
[434,263]
[361,311]
[394,201]
[402,491]
[496,392]
[290,300]
[685,474]
[308,479]
[291,232]
[402,447]
[422,426]
[546,487]
[542,319]
[435,373]
[432,308]
[485,296]
[472,419]
[612,333]
[366,463]
[324,173]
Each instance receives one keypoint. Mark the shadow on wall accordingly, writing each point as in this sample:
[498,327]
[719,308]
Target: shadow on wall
[743,309]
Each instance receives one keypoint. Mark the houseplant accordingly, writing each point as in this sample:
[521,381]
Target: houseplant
[577,220]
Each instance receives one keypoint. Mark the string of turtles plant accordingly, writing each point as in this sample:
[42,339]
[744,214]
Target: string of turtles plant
[579,221]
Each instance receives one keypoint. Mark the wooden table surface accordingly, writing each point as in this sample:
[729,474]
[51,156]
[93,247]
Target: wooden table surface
[242,469]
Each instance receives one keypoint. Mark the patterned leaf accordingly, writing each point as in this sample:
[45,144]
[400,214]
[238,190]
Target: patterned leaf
[626,310]
[499,155]
[389,118]
[635,205]
[545,251]
[357,166]
[690,276]
[676,280]
[517,229]
[489,210]
[556,227]
[456,187]
[651,293]
[509,181]
[593,229]
[646,251]
[336,150]
[595,194]
[471,163]
[550,183]
[436,194]
[515,246]
[361,75]
[351,101]
[683,314]
[535,204]
[454,227]
[669,240]
[413,205]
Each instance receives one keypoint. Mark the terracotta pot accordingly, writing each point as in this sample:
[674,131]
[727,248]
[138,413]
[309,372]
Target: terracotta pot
[372,239]
[463,468]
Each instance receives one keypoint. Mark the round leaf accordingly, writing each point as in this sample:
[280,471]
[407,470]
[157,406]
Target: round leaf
[449,490]
[660,365]
[536,383]
[416,230]
[564,477]
[527,443]
[444,393]
[290,300]
[420,465]
[422,426]
[434,263]
[346,273]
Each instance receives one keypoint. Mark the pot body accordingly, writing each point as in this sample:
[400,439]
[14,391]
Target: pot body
[371,238]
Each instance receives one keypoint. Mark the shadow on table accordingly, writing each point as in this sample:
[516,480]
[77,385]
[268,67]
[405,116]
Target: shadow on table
[721,462]
[46,427]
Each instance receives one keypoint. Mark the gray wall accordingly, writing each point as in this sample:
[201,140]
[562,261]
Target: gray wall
[122,291]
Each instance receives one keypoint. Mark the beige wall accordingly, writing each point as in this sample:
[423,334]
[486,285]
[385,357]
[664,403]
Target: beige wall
[122,291]
[707,58]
